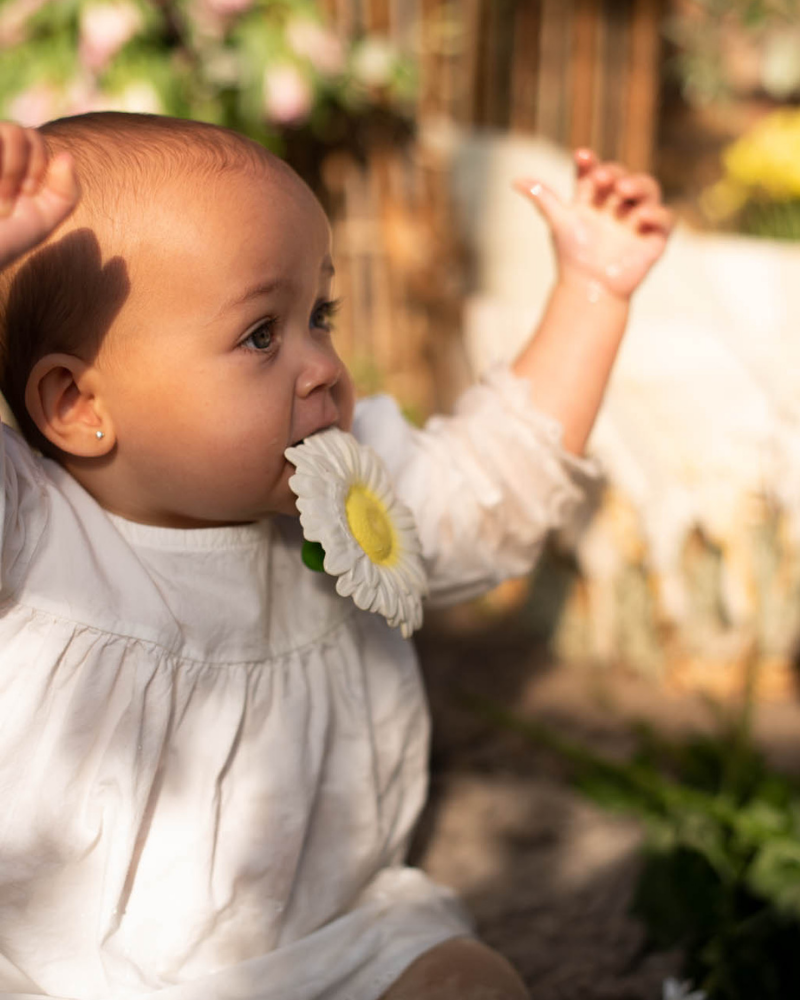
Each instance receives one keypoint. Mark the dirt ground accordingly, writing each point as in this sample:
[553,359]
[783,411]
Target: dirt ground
[547,875]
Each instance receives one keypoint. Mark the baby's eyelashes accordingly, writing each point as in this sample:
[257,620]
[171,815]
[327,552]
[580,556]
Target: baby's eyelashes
[261,337]
[322,317]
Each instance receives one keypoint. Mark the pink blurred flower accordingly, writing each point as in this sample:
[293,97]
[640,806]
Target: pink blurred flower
[212,18]
[13,20]
[35,105]
[105,28]
[140,96]
[288,96]
[226,8]
[320,46]
[82,96]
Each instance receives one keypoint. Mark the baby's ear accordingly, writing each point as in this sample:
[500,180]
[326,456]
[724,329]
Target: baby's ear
[61,399]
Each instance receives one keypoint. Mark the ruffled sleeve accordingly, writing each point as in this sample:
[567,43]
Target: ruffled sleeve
[486,484]
[23,505]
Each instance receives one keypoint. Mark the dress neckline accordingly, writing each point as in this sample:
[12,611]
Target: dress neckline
[155,536]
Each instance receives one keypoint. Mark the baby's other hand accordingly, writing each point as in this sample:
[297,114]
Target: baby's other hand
[36,193]
[613,231]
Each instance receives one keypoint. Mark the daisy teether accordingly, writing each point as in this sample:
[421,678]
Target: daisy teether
[369,538]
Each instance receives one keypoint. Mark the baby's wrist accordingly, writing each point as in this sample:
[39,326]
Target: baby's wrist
[585,286]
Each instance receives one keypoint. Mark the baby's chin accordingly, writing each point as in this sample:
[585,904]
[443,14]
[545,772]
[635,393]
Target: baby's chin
[278,499]
[283,501]
[288,508]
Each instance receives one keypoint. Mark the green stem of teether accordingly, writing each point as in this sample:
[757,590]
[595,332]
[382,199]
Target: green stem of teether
[313,556]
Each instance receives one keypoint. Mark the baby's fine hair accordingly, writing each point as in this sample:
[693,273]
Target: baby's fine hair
[62,297]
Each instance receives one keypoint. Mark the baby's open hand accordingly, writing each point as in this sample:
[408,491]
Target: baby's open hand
[36,194]
[614,229]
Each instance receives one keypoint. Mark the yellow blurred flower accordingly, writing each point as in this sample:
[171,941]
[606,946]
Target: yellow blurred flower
[767,158]
[761,174]
[723,199]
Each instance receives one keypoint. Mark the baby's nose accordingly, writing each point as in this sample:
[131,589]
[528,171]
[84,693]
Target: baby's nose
[322,368]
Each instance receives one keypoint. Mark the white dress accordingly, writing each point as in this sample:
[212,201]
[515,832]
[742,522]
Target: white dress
[210,763]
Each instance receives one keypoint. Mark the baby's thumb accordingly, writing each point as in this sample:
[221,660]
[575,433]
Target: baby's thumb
[62,181]
[543,197]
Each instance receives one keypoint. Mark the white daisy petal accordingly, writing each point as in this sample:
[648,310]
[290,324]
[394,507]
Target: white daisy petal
[346,503]
[366,598]
[338,561]
[310,462]
[377,481]
[391,598]
[340,454]
[313,525]
[346,584]
[302,483]
[412,576]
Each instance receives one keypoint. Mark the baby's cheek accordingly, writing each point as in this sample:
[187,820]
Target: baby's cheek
[345,400]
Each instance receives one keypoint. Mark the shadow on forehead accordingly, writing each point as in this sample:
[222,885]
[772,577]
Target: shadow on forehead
[65,290]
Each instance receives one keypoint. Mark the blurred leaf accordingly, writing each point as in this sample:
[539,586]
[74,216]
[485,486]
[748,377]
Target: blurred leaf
[679,897]
[760,821]
[775,874]
[721,868]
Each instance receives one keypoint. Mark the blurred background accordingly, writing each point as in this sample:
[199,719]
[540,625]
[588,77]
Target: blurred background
[671,604]
[410,118]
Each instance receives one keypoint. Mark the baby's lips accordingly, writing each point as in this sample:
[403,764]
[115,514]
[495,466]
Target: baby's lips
[315,430]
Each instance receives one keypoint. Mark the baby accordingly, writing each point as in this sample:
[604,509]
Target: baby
[211,763]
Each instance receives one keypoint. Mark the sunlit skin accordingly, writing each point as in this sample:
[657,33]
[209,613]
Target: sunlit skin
[36,195]
[606,240]
[222,357]
[194,422]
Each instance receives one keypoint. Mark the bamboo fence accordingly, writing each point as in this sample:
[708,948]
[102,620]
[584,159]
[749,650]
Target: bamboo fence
[578,72]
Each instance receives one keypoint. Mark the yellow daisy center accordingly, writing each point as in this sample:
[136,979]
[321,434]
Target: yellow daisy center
[371,525]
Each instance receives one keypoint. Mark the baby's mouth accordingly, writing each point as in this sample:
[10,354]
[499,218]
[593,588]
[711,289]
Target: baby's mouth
[319,430]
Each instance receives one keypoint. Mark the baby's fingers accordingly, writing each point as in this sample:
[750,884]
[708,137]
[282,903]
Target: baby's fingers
[22,159]
[544,198]
[652,218]
[597,183]
[37,164]
[585,161]
[61,180]
[635,189]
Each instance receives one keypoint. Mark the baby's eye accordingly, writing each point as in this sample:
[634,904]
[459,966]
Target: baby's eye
[262,337]
[322,316]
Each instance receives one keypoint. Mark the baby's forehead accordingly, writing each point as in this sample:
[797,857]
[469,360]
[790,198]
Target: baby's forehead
[195,187]
[264,195]
[125,159]
[148,176]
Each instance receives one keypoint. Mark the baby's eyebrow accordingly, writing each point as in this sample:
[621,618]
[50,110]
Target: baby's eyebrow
[254,292]
[267,287]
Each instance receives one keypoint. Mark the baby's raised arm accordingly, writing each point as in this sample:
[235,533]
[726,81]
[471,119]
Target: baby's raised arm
[36,193]
[606,240]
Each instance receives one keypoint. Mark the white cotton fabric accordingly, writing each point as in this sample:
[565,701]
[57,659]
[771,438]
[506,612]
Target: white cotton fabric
[210,763]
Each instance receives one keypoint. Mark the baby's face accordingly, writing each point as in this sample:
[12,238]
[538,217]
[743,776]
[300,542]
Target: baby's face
[223,355]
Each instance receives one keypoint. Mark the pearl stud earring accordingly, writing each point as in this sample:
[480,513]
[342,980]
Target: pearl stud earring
[99,435]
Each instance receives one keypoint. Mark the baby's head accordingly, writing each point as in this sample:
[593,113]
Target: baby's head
[183,311]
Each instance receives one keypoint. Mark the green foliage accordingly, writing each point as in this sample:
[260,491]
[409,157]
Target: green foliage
[779,220]
[269,68]
[721,871]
